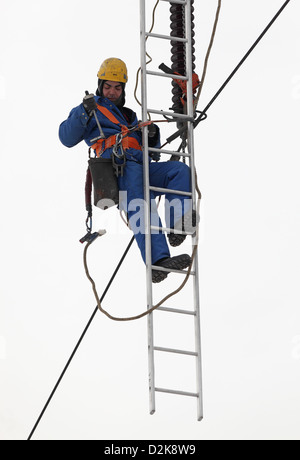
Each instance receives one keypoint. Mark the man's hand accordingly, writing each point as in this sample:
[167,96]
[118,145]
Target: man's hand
[155,156]
[152,130]
[153,133]
[89,103]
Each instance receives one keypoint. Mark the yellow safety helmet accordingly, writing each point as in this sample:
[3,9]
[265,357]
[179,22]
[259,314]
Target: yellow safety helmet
[113,69]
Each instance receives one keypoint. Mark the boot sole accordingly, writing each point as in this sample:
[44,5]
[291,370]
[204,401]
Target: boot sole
[188,224]
[176,239]
[174,263]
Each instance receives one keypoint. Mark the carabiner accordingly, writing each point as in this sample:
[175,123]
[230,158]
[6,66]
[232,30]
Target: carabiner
[118,144]
[88,223]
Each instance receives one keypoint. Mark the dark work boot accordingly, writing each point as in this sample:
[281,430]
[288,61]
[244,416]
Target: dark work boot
[175,239]
[174,263]
[187,223]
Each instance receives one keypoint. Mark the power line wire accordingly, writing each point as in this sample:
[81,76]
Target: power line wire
[202,116]
[80,339]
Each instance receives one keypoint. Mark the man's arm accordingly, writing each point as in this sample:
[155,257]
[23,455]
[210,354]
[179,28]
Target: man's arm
[72,130]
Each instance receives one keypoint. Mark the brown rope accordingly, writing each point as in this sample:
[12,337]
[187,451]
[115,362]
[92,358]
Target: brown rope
[150,58]
[154,307]
[208,53]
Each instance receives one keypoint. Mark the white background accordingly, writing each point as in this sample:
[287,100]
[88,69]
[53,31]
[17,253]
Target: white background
[247,157]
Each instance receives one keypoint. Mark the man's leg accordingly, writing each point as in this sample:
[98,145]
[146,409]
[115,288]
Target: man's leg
[173,175]
[132,183]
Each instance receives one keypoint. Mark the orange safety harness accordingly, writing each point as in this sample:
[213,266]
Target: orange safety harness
[123,137]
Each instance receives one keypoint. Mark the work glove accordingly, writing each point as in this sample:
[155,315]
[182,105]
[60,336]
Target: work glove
[153,133]
[89,104]
[155,156]
[152,130]
[153,139]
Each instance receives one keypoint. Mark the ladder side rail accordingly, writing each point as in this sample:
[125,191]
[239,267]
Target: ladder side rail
[190,111]
[198,341]
[147,207]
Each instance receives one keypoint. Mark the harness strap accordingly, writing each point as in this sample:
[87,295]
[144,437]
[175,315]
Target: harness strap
[108,114]
[127,141]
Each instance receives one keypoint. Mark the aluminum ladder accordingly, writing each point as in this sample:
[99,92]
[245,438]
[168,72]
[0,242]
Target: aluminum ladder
[188,119]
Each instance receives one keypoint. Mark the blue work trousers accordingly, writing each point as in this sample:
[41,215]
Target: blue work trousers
[173,175]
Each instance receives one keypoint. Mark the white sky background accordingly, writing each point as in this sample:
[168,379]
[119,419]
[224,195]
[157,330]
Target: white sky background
[247,157]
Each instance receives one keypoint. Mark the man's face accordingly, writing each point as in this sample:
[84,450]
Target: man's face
[112,90]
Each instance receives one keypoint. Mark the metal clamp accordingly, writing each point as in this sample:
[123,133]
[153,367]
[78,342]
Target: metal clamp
[90,237]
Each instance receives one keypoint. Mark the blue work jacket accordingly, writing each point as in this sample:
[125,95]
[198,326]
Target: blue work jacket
[79,126]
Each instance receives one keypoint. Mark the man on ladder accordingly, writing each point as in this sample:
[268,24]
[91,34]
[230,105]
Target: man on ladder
[122,138]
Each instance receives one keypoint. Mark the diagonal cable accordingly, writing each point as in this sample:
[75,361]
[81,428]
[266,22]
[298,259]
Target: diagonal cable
[80,340]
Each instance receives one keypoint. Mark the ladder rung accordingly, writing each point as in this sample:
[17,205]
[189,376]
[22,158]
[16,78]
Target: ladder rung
[180,2]
[177,310]
[168,75]
[166,37]
[169,190]
[171,270]
[171,114]
[171,230]
[169,152]
[174,350]
[177,392]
